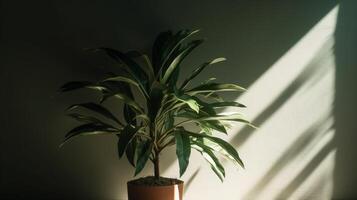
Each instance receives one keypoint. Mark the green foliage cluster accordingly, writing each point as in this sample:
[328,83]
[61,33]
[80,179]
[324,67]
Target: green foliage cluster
[157,116]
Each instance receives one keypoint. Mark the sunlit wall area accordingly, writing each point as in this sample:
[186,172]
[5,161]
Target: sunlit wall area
[291,155]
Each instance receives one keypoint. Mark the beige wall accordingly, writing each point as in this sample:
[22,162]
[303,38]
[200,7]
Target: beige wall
[300,98]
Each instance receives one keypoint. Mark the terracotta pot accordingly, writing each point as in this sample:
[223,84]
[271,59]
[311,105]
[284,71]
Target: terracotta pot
[141,192]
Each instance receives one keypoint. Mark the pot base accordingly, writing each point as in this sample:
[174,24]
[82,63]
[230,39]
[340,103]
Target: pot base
[155,192]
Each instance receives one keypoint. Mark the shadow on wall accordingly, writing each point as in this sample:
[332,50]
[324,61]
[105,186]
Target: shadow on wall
[309,72]
[306,139]
[254,37]
[345,177]
[295,120]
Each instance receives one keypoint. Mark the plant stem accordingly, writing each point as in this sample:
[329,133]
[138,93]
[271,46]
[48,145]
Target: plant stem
[156,166]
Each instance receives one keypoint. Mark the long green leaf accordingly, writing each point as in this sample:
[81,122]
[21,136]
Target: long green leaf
[207,111]
[84,118]
[173,50]
[125,99]
[199,118]
[160,50]
[114,86]
[129,113]
[226,104]
[166,48]
[132,67]
[199,70]
[214,124]
[122,88]
[179,58]
[212,95]
[123,79]
[75,85]
[215,147]
[96,108]
[89,129]
[150,70]
[205,125]
[169,121]
[183,150]
[144,150]
[192,103]
[89,119]
[209,156]
[215,87]
[127,134]
[177,40]
[156,96]
[130,152]
[225,145]
[172,82]
[230,117]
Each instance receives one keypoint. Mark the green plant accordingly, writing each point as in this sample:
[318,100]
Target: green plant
[157,110]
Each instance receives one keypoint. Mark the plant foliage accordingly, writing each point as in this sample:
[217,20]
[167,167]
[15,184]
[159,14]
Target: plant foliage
[166,107]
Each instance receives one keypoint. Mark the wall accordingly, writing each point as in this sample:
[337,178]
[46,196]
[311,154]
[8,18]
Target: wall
[41,48]
[345,48]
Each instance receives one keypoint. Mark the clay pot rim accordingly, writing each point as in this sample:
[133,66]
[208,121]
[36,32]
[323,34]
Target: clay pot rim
[155,186]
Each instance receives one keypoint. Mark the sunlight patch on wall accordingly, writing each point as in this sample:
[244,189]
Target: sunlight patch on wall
[291,155]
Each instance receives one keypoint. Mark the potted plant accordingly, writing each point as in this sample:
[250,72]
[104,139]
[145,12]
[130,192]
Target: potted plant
[156,111]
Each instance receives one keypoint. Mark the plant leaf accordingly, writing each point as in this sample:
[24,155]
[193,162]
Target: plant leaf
[198,70]
[177,40]
[215,87]
[209,118]
[123,79]
[215,125]
[212,95]
[125,99]
[158,50]
[144,150]
[230,117]
[169,121]
[156,95]
[205,125]
[131,66]
[226,104]
[130,152]
[75,85]
[95,108]
[183,150]
[179,58]
[172,82]
[150,70]
[127,134]
[129,113]
[209,156]
[225,145]
[88,119]
[83,118]
[206,111]
[191,102]
[89,129]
